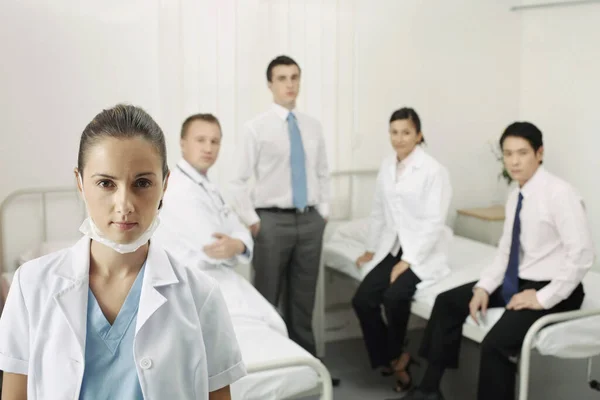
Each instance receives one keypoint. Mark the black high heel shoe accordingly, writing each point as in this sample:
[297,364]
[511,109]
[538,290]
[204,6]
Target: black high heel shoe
[405,386]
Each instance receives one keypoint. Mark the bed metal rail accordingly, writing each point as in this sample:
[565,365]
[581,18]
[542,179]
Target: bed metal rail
[529,343]
[13,197]
[319,323]
[315,364]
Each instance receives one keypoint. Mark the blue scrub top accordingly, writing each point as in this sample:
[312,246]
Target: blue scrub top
[110,371]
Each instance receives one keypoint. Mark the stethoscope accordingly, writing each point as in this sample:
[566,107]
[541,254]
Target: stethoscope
[223,209]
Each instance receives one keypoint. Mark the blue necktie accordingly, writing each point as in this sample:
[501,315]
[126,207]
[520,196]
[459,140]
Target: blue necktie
[510,286]
[297,164]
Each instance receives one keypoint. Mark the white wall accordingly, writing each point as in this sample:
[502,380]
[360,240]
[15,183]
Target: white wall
[560,88]
[361,60]
[457,64]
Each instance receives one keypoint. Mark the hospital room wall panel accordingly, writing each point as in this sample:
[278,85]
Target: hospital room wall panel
[251,87]
[559,93]
[312,87]
[169,72]
[329,76]
[345,85]
[227,78]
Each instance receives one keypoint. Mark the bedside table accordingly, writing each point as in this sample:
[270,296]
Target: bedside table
[481,224]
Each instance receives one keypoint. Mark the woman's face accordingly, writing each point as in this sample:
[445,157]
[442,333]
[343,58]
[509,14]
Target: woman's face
[404,137]
[122,186]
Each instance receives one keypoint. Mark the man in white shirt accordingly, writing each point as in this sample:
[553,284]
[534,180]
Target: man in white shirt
[544,252]
[284,151]
[197,226]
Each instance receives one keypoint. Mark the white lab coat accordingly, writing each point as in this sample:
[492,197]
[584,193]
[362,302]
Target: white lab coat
[193,210]
[414,209]
[184,345]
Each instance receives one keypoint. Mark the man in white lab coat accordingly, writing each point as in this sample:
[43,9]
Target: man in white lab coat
[197,226]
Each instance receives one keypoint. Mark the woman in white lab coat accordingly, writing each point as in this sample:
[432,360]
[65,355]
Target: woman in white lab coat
[407,246]
[115,316]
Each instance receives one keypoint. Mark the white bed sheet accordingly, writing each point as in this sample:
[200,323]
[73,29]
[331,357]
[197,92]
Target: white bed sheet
[571,339]
[260,344]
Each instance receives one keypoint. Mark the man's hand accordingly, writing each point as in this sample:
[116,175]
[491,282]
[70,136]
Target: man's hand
[525,300]
[254,229]
[398,270]
[224,248]
[365,258]
[479,301]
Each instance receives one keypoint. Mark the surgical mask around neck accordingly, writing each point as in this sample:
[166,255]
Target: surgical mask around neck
[89,229]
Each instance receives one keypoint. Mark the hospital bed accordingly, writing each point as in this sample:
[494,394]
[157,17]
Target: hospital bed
[565,335]
[35,222]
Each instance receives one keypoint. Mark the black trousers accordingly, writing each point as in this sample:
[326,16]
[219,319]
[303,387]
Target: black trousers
[497,373]
[385,342]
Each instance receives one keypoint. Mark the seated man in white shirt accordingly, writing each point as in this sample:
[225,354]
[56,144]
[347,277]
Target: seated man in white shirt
[543,255]
[197,226]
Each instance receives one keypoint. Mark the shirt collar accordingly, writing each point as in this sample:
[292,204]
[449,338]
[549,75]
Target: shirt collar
[282,112]
[534,182]
[415,158]
[191,171]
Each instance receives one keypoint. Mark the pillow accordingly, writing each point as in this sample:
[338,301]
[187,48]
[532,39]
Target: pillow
[356,231]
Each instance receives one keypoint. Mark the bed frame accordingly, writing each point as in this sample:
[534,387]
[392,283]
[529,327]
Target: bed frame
[324,389]
[473,333]
[43,197]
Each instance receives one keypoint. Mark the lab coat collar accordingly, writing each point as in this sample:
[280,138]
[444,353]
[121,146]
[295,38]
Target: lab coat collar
[282,112]
[413,161]
[72,300]
[192,172]
[159,270]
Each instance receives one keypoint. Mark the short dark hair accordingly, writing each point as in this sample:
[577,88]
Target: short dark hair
[122,122]
[199,117]
[525,130]
[409,114]
[280,60]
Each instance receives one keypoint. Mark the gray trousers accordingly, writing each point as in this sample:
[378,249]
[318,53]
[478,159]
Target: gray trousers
[287,252]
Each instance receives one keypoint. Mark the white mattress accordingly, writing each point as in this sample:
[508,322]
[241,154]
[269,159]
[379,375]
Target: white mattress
[574,339]
[260,343]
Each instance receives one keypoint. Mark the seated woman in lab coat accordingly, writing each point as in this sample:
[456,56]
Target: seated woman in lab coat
[198,227]
[407,246]
[115,316]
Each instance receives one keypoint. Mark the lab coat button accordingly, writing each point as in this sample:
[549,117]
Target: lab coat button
[146,363]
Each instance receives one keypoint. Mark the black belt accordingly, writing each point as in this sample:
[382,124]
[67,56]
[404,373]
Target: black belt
[288,210]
